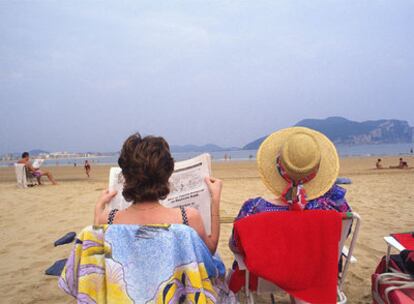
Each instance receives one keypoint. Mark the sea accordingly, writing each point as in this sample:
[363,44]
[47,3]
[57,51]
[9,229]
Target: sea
[343,150]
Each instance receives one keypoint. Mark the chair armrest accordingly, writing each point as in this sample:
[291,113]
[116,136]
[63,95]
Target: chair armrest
[394,243]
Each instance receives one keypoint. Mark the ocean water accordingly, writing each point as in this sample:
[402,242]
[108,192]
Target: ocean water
[375,150]
[343,150]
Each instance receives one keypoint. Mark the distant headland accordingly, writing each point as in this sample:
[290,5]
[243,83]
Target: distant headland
[340,130]
[343,131]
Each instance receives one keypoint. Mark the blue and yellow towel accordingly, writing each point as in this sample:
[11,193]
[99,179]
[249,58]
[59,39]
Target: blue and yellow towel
[143,264]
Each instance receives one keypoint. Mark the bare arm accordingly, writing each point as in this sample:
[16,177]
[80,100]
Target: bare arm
[29,166]
[100,214]
[195,220]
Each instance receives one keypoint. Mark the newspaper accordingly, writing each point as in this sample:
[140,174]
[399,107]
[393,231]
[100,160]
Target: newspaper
[37,163]
[116,182]
[187,187]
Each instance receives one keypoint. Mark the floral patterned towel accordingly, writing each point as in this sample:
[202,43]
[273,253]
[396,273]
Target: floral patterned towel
[143,264]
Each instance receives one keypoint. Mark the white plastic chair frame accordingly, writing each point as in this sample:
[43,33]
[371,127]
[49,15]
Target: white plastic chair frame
[26,179]
[349,220]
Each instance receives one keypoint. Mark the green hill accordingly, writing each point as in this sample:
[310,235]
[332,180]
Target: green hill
[343,131]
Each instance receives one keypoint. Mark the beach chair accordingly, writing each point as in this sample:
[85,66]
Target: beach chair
[393,280]
[391,284]
[24,177]
[348,234]
[143,264]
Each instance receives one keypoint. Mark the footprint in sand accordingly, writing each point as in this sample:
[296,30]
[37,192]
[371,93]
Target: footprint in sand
[357,277]
[371,250]
[17,244]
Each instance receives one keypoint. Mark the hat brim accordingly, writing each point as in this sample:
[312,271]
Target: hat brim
[270,149]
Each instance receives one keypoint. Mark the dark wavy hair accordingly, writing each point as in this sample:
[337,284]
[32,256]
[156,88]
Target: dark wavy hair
[146,165]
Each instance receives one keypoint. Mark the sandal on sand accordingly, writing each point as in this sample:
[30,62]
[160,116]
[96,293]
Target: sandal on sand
[66,239]
[56,268]
[343,181]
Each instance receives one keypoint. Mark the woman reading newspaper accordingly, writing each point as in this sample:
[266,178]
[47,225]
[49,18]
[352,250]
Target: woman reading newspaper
[147,253]
[147,165]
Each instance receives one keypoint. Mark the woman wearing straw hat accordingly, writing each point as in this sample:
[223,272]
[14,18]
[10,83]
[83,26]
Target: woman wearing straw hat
[299,166]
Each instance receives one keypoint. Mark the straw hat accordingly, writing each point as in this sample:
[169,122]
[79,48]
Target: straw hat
[302,152]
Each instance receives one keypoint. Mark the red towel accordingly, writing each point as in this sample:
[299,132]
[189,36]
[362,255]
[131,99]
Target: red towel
[297,251]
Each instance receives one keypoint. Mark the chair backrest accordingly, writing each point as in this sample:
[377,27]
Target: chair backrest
[349,234]
[297,251]
[20,170]
[346,230]
[141,264]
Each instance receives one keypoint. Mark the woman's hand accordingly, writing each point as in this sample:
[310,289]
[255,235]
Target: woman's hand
[106,197]
[214,186]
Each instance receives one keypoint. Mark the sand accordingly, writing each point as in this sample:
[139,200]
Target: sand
[32,219]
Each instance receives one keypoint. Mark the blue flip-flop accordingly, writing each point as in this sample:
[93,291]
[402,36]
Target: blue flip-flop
[56,268]
[343,181]
[66,239]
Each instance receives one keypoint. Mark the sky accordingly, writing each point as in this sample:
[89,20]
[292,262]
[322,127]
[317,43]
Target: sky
[84,75]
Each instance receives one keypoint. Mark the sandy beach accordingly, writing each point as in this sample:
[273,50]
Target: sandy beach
[32,219]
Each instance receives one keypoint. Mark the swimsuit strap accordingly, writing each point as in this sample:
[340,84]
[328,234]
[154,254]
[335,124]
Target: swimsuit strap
[111,216]
[184,216]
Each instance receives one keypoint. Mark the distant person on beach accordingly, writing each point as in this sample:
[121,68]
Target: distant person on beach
[401,165]
[36,172]
[379,164]
[296,156]
[147,165]
[87,167]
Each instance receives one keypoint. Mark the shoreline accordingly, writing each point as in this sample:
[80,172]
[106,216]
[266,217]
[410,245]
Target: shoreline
[8,164]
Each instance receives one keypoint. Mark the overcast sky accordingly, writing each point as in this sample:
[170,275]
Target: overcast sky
[83,75]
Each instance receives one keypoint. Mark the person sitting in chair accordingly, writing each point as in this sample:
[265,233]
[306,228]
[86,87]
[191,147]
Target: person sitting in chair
[147,165]
[36,172]
[299,166]
[150,253]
